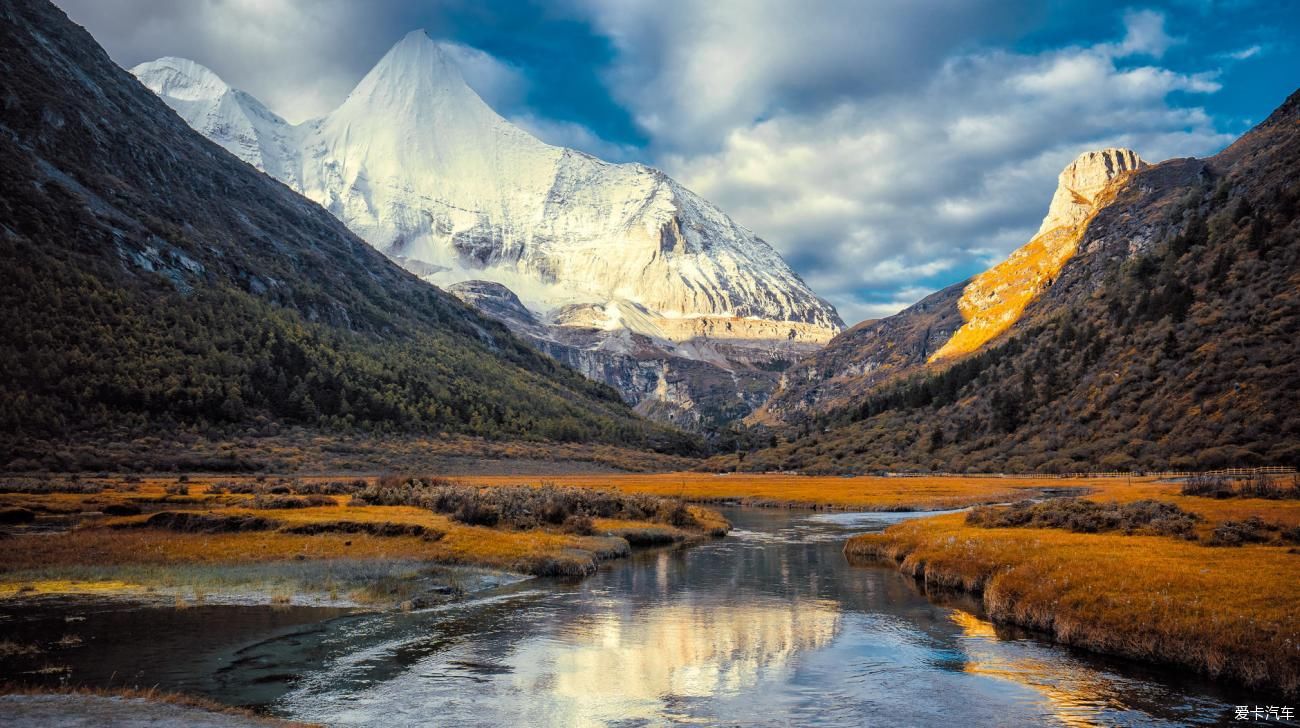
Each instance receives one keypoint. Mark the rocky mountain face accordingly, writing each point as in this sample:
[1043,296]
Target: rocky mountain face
[153,282]
[419,166]
[687,391]
[962,318]
[1166,339]
[995,299]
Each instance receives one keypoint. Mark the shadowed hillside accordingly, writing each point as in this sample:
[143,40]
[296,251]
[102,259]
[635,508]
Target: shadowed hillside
[151,281]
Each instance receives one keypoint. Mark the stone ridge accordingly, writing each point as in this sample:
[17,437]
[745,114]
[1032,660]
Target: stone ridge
[1079,184]
[995,299]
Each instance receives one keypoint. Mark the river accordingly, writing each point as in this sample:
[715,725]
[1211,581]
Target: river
[767,627]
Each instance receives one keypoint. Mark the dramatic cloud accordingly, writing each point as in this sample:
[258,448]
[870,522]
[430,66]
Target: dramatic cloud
[575,136]
[893,191]
[692,71]
[886,149]
[501,85]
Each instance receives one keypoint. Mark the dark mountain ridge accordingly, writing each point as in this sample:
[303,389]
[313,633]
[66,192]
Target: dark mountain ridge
[150,280]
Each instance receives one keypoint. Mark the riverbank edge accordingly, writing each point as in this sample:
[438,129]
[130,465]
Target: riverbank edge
[154,590]
[1042,620]
[50,706]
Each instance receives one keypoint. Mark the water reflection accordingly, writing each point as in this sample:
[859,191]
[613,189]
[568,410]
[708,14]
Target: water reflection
[685,650]
[770,627]
[1078,693]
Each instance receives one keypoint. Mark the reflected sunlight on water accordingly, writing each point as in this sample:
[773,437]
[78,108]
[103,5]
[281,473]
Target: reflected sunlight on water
[1076,694]
[683,650]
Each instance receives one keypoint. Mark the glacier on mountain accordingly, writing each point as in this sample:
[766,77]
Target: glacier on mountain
[419,166]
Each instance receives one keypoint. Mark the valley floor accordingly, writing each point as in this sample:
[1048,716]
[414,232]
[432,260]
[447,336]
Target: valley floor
[857,493]
[1218,597]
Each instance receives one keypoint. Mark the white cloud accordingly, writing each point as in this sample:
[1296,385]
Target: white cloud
[500,84]
[300,57]
[691,71]
[1144,34]
[857,310]
[1243,53]
[884,191]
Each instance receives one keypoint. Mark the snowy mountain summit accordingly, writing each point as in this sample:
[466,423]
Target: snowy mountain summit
[419,166]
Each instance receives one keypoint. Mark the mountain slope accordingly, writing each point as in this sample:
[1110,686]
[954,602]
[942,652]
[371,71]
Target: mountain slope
[150,280]
[1169,339]
[964,317]
[418,165]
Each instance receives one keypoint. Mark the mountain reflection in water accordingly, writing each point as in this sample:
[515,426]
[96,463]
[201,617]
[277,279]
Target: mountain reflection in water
[768,627]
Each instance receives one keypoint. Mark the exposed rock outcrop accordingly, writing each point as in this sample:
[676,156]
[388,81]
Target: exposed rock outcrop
[962,318]
[699,384]
[996,298]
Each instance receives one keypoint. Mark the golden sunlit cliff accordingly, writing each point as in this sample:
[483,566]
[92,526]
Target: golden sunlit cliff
[995,299]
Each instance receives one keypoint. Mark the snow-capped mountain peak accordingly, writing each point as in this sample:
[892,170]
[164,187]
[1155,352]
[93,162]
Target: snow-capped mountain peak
[181,79]
[227,116]
[417,164]
[416,73]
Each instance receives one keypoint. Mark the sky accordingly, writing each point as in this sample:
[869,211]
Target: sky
[886,148]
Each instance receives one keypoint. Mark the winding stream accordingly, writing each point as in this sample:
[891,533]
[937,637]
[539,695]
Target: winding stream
[770,626]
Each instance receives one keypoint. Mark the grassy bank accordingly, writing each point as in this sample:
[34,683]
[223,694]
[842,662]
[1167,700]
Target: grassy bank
[359,540]
[1189,597]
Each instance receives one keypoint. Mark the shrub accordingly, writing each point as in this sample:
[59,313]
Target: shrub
[475,512]
[1209,486]
[373,528]
[10,516]
[269,502]
[1236,533]
[580,524]
[521,507]
[1085,516]
[677,514]
[189,522]
[177,488]
[1253,486]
